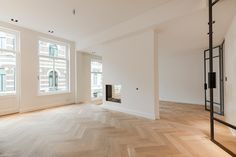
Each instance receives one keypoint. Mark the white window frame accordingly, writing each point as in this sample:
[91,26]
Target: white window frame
[17,53]
[40,93]
[99,61]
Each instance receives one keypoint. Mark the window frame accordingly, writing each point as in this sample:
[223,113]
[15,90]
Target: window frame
[17,62]
[91,72]
[67,59]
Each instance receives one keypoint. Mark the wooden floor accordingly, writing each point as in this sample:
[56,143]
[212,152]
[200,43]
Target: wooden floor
[90,131]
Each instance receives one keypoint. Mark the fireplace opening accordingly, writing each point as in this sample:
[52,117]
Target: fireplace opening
[113,93]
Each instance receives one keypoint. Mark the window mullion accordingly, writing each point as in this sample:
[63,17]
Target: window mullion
[54,77]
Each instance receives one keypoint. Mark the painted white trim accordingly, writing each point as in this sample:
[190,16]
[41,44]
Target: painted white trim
[4,112]
[36,108]
[54,93]
[182,102]
[130,112]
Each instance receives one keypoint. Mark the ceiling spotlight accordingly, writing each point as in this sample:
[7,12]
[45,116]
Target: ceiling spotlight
[50,31]
[14,20]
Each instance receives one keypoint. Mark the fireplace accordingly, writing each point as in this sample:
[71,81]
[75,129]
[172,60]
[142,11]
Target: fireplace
[113,93]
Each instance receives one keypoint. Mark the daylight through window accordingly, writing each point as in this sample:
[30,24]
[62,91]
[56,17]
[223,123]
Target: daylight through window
[96,79]
[8,51]
[53,67]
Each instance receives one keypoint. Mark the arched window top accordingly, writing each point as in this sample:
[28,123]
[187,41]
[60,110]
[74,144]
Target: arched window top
[51,73]
[53,50]
[53,79]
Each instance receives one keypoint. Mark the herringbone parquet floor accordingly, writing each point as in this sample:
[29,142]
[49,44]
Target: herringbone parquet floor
[90,131]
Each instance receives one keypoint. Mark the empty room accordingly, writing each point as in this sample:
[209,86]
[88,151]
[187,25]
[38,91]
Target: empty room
[117,78]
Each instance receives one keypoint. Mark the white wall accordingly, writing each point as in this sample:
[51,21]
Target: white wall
[84,76]
[230,73]
[28,92]
[181,42]
[130,62]
[181,77]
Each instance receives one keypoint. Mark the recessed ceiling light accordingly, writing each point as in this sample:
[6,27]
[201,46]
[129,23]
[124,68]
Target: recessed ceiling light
[51,31]
[14,20]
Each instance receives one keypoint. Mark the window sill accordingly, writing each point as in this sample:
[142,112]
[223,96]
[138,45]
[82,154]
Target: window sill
[95,99]
[54,93]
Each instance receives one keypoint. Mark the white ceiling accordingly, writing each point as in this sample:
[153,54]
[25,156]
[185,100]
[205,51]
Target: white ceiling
[93,16]
[189,33]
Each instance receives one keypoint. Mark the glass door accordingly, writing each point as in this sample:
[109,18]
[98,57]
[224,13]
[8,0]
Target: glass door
[219,90]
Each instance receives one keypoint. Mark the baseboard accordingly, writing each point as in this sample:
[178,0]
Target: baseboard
[130,112]
[8,112]
[43,107]
[185,103]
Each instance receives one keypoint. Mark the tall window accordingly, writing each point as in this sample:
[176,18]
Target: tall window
[96,79]
[8,51]
[53,67]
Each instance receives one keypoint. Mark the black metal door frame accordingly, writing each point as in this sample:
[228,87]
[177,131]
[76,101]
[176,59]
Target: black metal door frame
[212,82]
[219,55]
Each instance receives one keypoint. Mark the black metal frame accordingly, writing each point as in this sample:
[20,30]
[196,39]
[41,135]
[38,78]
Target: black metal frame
[212,118]
[220,55]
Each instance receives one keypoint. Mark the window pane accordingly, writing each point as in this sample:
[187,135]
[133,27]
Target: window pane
[61,68]
[96,79]
[52,49]
[43,48]
[45,67]
[7,41]
[96,66]
[96,85]
[7,73]
[62,51]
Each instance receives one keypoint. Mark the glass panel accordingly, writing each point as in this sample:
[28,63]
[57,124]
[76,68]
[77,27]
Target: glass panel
[61,69]
[216,68]
[7,73]
[62,51]
[43,48]
[7,41]
[52,49]
[96,85]
[45,67]
[217,89]
[96,66]
[96,79]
